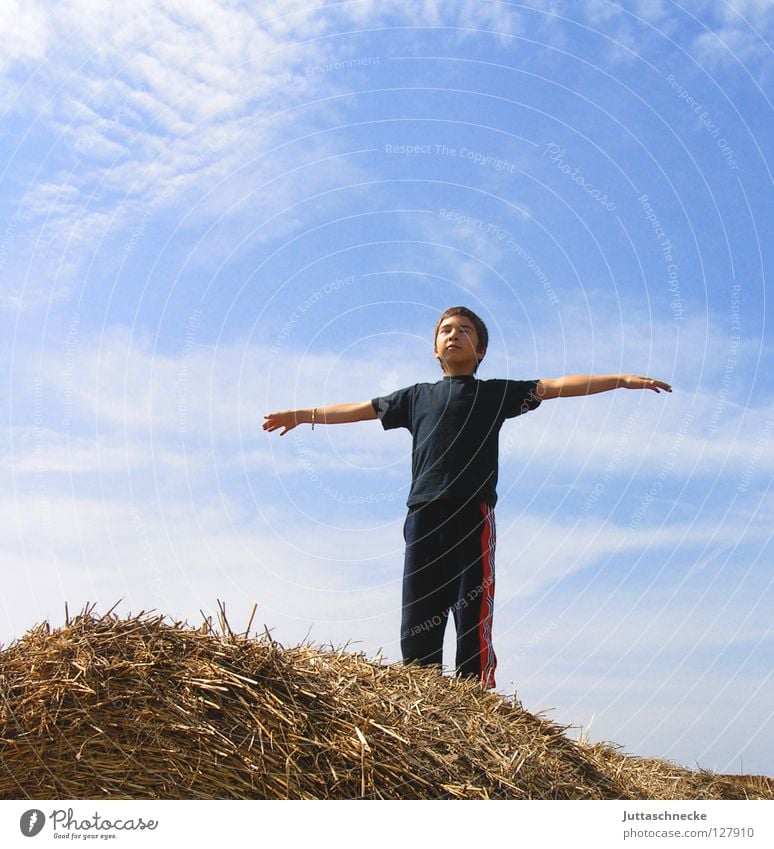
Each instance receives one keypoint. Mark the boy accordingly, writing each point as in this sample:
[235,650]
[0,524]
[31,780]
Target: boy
[450,530]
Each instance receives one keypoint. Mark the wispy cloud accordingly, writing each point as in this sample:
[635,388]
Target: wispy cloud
[203,405]
[159,104]
[162,104]
[24,30]
[729,33]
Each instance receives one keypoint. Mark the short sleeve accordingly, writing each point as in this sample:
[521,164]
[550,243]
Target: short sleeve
[394,410]
[519,396]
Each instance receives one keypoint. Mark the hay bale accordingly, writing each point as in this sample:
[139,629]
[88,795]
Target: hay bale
[145,709]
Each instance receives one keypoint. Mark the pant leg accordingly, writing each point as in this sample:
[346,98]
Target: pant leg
[428,588]
[474,606]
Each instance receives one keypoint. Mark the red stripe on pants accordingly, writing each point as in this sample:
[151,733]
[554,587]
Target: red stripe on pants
[486,611]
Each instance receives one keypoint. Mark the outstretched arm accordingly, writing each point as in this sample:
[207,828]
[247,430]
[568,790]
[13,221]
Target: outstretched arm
[334,414]
[588,384]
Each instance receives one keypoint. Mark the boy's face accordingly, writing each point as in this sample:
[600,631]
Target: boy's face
[457,346]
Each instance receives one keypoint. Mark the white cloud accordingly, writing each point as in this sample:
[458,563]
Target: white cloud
[733,30]
[157,102]
[624,435]
[755,13]
[652,10]
[167,104]
[25,33]
[667,661]
[731,45]
[536,552]
[497,17]
[42,451]
[710,420]
[141,547]
[180,557]
[115,401]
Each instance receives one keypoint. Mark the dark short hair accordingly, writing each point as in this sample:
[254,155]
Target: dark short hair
[481,331]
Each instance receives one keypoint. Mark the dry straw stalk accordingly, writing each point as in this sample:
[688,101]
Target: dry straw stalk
[110,708]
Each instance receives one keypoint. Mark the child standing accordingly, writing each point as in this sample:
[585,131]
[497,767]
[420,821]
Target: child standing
[450,528]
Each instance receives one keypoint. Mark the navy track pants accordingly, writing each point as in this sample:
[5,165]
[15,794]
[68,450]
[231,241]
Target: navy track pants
[449,567]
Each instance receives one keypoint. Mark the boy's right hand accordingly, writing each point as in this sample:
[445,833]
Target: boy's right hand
[287,419]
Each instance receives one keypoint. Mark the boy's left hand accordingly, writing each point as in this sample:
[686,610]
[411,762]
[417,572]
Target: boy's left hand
[635,381]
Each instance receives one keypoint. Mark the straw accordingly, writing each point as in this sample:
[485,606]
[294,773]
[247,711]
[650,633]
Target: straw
[144,708]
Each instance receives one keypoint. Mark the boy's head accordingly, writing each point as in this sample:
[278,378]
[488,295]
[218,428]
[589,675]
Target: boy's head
[460,341]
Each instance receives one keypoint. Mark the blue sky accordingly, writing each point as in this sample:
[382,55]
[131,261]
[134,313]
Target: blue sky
[208,213]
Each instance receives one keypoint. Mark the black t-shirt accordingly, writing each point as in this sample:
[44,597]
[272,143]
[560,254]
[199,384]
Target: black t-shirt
[455,424]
